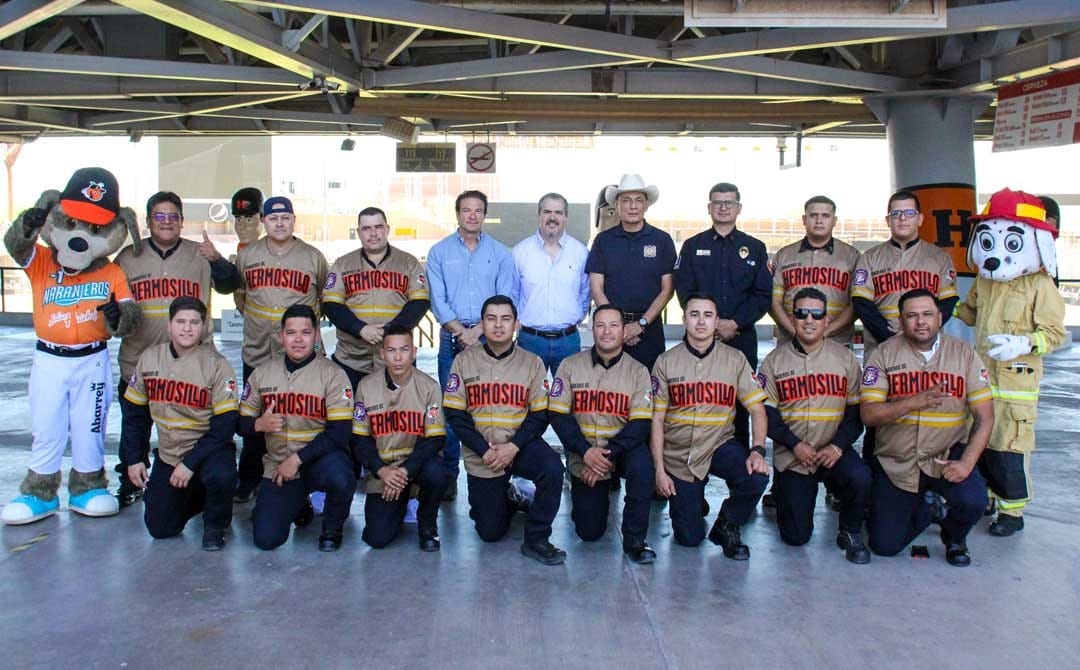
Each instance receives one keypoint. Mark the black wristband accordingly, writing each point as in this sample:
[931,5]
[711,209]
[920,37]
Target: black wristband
[758,449]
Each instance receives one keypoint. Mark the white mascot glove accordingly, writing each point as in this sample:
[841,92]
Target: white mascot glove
[1008,347]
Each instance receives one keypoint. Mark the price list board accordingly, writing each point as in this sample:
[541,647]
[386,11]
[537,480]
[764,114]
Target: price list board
[1040,112]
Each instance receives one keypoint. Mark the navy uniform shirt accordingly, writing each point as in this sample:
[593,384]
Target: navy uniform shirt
[734,270]
[632,264]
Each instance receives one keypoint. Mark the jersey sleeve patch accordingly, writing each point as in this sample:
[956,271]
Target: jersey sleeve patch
[230,385]
[762,380]
[556,388]
[359,412]
[453,383]
[432,413]
[331,281]
[655,384]
[870,376]
[861,275]
[246,392]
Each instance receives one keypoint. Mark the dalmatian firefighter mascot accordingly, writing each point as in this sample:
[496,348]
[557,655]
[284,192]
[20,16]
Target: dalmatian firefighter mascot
[1018,316]
[80,300]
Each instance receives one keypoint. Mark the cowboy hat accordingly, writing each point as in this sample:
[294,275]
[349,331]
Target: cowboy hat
[632,183]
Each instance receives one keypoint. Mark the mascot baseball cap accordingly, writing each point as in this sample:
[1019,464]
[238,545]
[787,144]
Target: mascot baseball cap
[1016,206]
[247,201]
[279,204]
[91,195]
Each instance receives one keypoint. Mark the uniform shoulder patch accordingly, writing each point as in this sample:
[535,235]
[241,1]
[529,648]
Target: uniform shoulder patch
[359,412]
[331,281]
[984,375]
[246,393]
[861,275]
[655,384]
[346,393]
[556,388]
[432,413]
[134,378]
[649,251]
[453,383]
[421,279]
[762,379]
[870,375]
[230,385]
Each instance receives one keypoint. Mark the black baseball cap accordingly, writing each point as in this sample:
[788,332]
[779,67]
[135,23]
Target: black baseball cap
[247,201]
[91,195]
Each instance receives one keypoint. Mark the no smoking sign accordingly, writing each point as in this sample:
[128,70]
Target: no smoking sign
[480,157]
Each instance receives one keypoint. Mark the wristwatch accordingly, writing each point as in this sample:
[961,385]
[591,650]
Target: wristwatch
[643,322]
[758,449]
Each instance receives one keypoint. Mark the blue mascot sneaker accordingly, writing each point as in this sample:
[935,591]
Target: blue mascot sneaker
[28,509]
[95,502]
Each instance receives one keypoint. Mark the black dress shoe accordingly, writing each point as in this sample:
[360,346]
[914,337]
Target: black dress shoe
[213,540]
[642,554]
[854,549]
[1006,525]
[991,507]
[128,494]
[956,553]
[728,536]
[544,552]
[330,541]
[450,495]
[305,515]
[245,492]
[938,508]
[429,540]
[768,500]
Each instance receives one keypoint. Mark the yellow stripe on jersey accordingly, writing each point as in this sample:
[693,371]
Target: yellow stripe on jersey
[434,431]
[640,413]
[419,294]
[538,405]
[338,414]
[134,397]
[873,395]
[454,402]
[224,406]
[754,398]
[360,429]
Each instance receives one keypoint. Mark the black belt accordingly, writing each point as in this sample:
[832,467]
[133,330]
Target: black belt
[70,352]
[550,334]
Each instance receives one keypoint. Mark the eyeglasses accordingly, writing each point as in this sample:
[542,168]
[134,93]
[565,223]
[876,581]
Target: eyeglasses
[161,217]
[903,213]
[725,204]
[802,313]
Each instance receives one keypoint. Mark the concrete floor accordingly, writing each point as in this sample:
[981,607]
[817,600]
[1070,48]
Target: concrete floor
[80,592]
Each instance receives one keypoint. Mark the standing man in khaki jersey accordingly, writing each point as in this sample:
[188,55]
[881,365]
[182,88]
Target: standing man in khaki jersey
[168,267]
[922,390]
[189,392]
[378,286]
[277,272]
[398,430]
[695,388]
[818,260]
[600,406]
[302,404]
[812,384]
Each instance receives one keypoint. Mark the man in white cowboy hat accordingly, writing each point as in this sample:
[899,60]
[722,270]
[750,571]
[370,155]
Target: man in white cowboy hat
[631,266]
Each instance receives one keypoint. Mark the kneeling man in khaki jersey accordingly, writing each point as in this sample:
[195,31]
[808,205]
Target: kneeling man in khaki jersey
[398,431]
[189,392]
[302,403]
[919,390]
[695,387]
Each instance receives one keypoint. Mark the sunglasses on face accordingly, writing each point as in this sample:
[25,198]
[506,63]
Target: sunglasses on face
[802,313]
[171,217]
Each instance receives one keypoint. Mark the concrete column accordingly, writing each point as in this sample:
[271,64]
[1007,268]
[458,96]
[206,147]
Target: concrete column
[932,153]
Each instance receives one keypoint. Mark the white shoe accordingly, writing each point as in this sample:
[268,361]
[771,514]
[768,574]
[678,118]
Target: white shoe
[28,509]
[95,502]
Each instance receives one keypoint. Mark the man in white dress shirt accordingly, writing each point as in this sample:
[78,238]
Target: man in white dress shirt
[552,294]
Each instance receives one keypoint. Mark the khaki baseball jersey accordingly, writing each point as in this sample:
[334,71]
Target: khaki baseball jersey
[910,444]
[828,269]
[886,272]
[155,282]
[183,394]
[601,400]
[811,391]
[374,294]
[273,283]
[699,394]
[307,397]
[498,393]
[397,418]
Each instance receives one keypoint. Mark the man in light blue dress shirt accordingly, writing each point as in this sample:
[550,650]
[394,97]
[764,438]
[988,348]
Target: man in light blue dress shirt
[553,289]
[463,270]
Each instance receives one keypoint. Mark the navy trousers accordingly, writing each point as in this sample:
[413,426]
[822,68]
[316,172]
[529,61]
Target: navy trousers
[490,509]
[796,496]
[277,506]
[592,503]
[728,463]
[250,467]
[897,517]
[383,518]
[210,491]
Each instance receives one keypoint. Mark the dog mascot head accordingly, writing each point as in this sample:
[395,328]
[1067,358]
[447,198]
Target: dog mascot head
[1012,238]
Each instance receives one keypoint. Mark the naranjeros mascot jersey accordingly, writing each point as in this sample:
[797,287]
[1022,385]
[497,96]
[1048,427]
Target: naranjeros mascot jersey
[698,394]
[308,397]
[183,394]
[66,305]
[155,282]
[811,391]
[397,418]
[913,442]
[601,400]
[374,294]
[273,283]
[498,393]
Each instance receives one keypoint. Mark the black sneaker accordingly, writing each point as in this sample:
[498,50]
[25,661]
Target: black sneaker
[641,553]
[429,539]
[1006,525]
[728,536]
[245,492]
[330,541]
[128,494]
[544,552]
[305,515]
[213,540]
[854,549]
[956,553]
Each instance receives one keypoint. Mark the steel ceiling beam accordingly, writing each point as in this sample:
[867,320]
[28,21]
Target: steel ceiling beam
[18,15]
